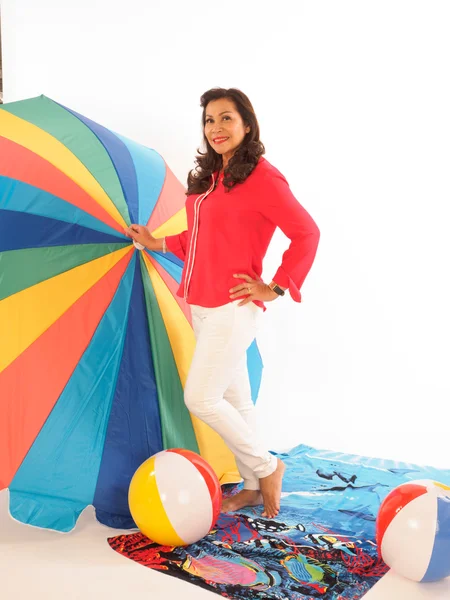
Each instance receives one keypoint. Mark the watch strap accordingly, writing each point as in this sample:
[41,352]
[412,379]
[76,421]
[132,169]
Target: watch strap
[276,288]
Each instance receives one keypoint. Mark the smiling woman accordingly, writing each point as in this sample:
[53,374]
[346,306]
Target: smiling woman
[231,139]
[235,201]
[224,128]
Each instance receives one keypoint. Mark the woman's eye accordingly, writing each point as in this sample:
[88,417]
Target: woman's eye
[209,120]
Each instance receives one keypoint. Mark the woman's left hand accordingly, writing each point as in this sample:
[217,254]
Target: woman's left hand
[253,289]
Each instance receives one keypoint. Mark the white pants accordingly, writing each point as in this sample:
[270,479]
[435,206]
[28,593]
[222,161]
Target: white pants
[218,390]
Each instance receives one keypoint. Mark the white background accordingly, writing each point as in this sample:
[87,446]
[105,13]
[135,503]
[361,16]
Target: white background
[353,101]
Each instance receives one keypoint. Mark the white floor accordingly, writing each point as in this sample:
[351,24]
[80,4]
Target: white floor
[42,564]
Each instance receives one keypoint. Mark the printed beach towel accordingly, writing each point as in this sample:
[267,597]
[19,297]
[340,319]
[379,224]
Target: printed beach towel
[321,545]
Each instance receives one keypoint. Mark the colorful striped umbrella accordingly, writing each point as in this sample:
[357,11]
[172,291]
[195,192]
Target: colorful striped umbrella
[95,344]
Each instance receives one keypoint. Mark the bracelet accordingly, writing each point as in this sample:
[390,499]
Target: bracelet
[164,246]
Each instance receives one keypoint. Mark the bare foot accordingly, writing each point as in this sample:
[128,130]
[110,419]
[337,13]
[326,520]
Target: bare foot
[271,490]
[241,500]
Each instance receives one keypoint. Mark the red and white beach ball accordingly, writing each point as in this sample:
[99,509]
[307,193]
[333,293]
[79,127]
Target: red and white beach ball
[413,530]
[175,497]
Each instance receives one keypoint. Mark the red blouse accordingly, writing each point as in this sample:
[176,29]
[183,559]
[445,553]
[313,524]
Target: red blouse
[229,232]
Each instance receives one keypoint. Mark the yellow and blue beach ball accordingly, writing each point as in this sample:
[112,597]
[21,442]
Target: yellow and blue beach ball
[413,530]
[175,497]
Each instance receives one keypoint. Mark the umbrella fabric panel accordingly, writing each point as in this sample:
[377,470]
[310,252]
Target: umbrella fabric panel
[168,276]
[20,269]
[27,314]
[150,170]
[134,429]
[26,167]
[33,382]
[69,446]
[49,147]
[23,230]
[23,198]
[169,211]
[176,424]
[170,263]
[173,225]
[181,335]
[255,367]
[121,160]
[167,263]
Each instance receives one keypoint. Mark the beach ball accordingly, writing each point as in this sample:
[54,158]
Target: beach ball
[175,497]
[413,530]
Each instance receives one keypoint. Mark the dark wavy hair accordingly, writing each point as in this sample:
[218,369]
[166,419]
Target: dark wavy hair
[244,159]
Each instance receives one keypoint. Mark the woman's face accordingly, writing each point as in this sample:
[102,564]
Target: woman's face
[224,127]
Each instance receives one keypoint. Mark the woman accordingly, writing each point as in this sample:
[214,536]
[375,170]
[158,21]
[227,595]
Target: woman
[235,201]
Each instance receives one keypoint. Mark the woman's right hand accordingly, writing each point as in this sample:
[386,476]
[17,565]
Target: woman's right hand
[141,235]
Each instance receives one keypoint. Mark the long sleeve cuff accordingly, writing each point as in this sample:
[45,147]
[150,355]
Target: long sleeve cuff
[174,244]
[282,279]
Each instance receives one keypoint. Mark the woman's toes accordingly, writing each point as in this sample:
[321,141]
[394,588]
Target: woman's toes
[270,512]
